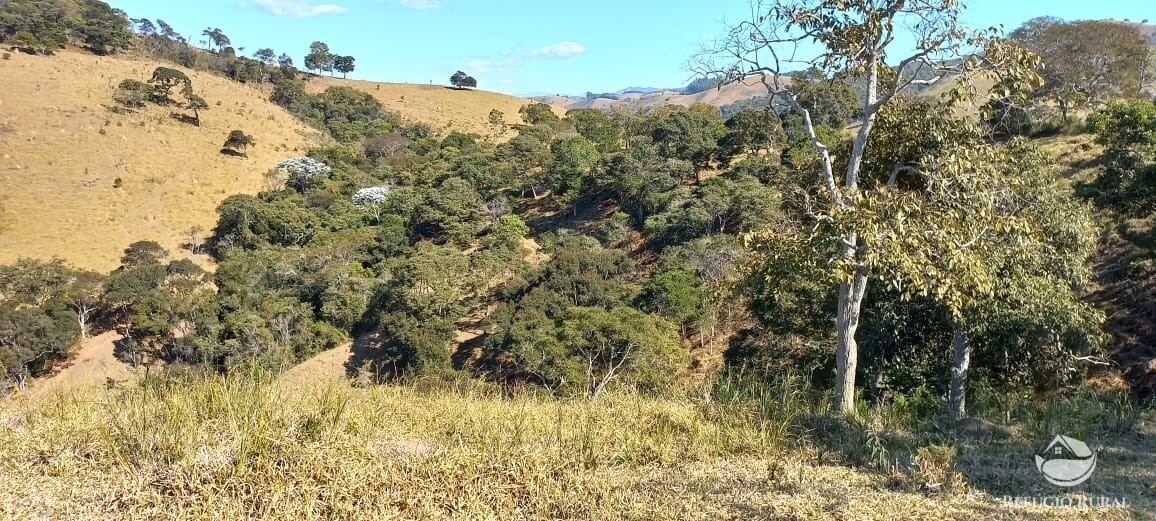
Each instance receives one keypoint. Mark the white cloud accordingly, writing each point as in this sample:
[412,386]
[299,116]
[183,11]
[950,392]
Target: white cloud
[560,50]
[480,66]
[299,8]
[421,4]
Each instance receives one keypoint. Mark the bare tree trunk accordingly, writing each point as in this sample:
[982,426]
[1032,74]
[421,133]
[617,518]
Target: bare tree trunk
[960,360]
[846,349]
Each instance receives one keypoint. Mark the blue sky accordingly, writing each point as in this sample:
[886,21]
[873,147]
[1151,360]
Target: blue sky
[524,47]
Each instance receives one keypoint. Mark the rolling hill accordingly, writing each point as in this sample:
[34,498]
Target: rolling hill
[62,152]
[634,100]
[444,108]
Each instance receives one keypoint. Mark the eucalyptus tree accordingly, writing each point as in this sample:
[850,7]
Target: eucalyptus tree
[857,39]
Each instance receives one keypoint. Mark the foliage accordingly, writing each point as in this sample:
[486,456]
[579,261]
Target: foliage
[832,102]
[508,232]
[698,85]
[103,30]
[535,113]
[344,65]
[1128,132]
[42,26]
[348,114]
[598,127]
[1086,62]
[319,57]
[752,131]
[752,50]
[238,141]
[689,134]
[677,295]
[35,26]
[163,80]
[461,80]
[132,94]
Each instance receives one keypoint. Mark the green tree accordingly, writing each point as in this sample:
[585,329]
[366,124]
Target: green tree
[319,57]
[497,120]
[508,232]
[34,26]
[163,80]
[238,141]
[285,64]
[194,102]
[592,348]
[752,131]
[1127,130]
[266,56]
[344,65]
[1085,62]
[461,80]
[689,134]
[132,94]
[826,23]
[103,30]
[832,102]
[574,159]
[677,295]
[535,113]
[217,38]
[419,307]
[32,339]
[599,127]
[526,156]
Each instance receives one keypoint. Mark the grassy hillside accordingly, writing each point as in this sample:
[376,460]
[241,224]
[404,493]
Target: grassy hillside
[61,152]
[243,448]
[727,95]
[443,108]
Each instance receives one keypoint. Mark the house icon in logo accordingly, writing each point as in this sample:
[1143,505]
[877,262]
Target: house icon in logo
[1066,462]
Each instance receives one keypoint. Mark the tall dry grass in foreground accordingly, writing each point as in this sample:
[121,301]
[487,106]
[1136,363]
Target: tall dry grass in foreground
[247,447]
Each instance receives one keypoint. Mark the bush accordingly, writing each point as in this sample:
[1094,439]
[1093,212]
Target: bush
[132,94]
[591,349]
[237,142]
[508,232]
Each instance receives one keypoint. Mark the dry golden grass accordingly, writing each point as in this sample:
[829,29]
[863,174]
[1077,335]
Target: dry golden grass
[245,448]
[443,108]
[93,364]
[61,151]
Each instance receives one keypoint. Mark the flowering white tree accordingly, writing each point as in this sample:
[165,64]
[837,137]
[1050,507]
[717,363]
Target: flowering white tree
[303,172]
[372,199]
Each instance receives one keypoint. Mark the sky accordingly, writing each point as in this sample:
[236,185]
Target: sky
[525,47]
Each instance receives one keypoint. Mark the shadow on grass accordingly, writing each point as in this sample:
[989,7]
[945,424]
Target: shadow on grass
[369,359]
[934,461]
[1125,467]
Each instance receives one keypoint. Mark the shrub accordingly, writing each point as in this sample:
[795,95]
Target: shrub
[132,94]
[237,142]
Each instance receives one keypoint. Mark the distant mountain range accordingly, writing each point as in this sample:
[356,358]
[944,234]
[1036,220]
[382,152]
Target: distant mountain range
[645,98]
[731,97]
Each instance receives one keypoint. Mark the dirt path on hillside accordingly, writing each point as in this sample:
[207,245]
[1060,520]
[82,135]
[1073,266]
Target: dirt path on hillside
[92,367]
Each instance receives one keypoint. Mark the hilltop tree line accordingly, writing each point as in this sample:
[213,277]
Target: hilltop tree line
[43,26]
